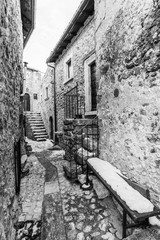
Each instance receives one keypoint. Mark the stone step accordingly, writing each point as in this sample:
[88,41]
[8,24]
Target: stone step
[39,130]
[36,135]
[37,124]
[40,134]
[41,139]
[35,129]
[34,119]
[32,115]
[30,112]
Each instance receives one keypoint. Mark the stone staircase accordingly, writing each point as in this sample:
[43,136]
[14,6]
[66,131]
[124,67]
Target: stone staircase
[35,126]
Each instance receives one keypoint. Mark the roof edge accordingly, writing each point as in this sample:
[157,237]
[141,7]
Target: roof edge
[33,9]
[85,9]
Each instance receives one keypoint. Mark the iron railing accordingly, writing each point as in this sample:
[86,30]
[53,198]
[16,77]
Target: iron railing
[83,145]
[17,161]
[73,104]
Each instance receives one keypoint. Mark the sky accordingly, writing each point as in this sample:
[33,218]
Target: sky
[52,17]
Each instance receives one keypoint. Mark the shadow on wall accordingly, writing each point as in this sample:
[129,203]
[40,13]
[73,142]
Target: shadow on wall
[51,128]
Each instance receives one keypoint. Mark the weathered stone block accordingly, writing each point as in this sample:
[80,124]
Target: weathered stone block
[99,188]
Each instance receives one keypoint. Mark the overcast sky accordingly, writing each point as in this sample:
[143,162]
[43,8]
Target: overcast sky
[52,17]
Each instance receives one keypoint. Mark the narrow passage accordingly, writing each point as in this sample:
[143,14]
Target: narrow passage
[70,213]
[53,226]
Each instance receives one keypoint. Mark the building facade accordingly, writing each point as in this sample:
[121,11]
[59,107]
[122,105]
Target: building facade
[127,49]
[118,44]
[47,101]
[12,40]
[72,67]
[32,86]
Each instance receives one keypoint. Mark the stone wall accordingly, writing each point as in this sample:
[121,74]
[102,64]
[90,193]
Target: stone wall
[32,86]
[47,103]
[11,75]
[128,63]
[81,47]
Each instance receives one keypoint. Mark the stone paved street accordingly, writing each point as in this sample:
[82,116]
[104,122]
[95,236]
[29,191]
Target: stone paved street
[68,212]
[32,187]
[31,199]
[85,216]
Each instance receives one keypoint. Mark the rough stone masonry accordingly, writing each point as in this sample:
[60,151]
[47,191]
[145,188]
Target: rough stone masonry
[10,81]
[128,63]
[81,47]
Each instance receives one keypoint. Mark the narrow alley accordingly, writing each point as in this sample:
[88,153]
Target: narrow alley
[79,120]
[55,208]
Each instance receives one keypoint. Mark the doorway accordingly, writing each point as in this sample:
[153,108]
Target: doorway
[26,102]
[51,128]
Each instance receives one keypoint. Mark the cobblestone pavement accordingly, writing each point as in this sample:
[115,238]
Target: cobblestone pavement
[85,217]
[31,198]
[68,212]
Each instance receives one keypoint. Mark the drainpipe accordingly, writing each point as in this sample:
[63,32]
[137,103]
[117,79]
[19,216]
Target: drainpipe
[55,105]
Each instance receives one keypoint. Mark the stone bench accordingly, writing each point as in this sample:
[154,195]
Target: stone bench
[134,199]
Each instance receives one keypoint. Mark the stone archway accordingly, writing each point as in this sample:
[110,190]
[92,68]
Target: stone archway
[51,128]
[26,102]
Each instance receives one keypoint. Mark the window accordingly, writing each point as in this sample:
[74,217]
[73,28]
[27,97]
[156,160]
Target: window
[90,84]
[46,93]
[68,69]
[35,96]
[93,86]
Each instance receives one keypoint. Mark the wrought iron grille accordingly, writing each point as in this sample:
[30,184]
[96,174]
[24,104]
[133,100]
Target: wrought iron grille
[17,160]
[73,104]
[84,144]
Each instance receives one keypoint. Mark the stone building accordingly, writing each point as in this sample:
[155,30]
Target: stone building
[13,15]
[128,70]
[75,50]
[123,38]
[32,85]
[47,101]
